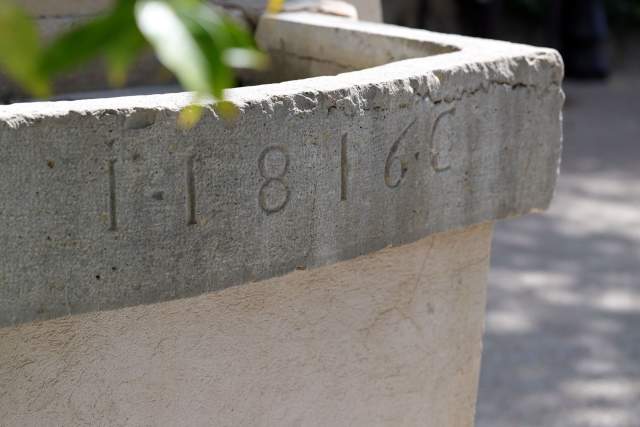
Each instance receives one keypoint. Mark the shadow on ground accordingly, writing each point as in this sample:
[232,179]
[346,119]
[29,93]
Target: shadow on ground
[562,345]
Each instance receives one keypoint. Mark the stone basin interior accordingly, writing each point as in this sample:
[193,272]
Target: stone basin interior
[320,50]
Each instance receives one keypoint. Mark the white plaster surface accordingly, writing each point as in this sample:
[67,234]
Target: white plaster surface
[388,339]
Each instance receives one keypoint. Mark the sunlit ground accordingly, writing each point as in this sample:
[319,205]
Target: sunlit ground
[562,346]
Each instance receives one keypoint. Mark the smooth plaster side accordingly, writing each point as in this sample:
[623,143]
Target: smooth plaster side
[388,339]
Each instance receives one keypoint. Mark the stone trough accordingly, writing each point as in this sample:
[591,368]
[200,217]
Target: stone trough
[333,239]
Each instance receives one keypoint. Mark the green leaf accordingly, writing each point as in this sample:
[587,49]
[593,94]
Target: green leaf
[274,6]
[20,49]
[212,38]
[197,43]
[121,53]
[190,115]
[245,58]
[105,35]
[174,44]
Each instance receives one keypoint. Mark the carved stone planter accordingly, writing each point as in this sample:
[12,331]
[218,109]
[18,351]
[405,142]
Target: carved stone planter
[333,240]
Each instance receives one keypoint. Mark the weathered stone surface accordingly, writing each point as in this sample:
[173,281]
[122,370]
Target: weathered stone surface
[388,339]
[107,203]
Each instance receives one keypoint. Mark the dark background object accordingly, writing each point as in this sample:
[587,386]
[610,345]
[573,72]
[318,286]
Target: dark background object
[594,36]
[583,34]
[480,18]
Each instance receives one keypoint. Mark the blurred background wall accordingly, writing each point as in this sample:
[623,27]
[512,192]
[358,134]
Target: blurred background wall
[594,36]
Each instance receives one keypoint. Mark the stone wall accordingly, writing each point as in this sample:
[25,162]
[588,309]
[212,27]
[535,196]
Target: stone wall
[109,203]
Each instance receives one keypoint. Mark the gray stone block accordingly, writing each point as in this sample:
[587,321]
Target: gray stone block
[107,203]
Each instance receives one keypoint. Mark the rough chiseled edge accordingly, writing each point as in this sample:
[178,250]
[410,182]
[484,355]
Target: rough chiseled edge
[475,65]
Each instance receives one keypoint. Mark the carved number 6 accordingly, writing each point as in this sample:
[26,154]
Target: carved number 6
[392,158]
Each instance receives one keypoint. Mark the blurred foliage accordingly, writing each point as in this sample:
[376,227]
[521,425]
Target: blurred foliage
[20,50]
[627,11]
[532,8]
[197,42]
[275,6]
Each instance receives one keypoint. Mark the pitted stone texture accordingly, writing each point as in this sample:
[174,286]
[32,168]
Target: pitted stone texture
[107,203]
[388,339]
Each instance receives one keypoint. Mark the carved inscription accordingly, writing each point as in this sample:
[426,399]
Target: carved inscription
[392,179]
[440,149]
[396,167]
[344,165]
[113,220]
[273,164]
[190,196]
[191,192]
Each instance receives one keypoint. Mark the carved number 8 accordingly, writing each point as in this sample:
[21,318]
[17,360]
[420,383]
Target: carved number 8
[274,193]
